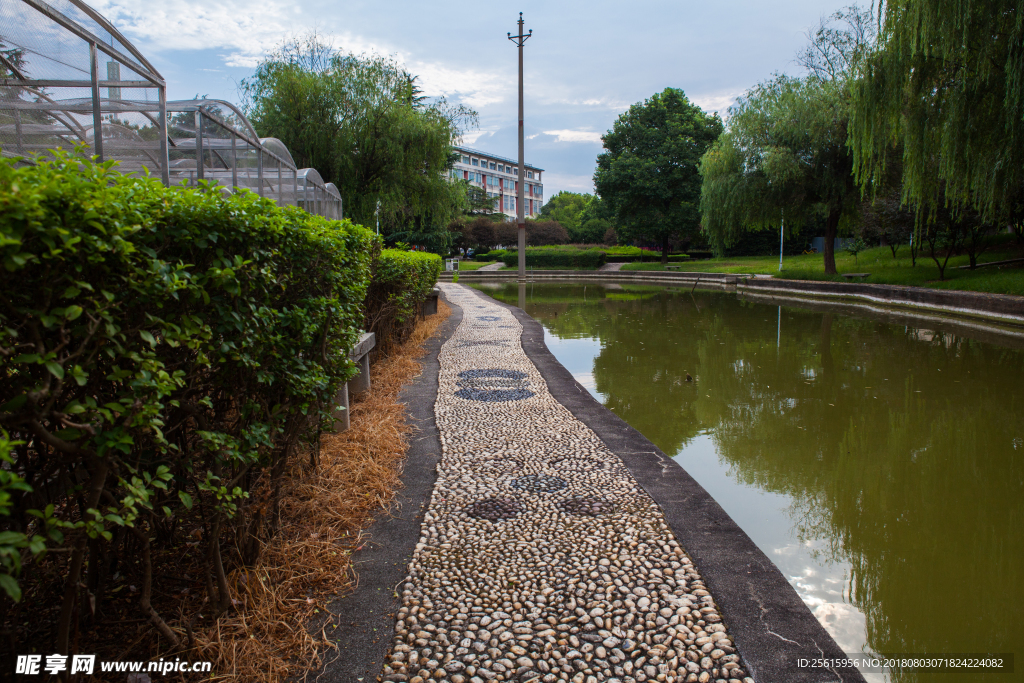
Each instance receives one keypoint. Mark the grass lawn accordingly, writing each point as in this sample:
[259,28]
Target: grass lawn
[883,267]
[474,265]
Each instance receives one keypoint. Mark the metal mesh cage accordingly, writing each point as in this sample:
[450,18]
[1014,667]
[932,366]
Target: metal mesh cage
[69,78]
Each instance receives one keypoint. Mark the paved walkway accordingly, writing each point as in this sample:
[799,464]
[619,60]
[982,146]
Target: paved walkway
[611,267]
[541,558]
[492,266]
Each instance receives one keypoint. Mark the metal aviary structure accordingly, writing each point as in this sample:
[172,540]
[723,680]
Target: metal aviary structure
[69,78]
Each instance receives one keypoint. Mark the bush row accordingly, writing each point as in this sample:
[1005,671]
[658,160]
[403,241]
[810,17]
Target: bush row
[401,281]
[556,258]
[163,353]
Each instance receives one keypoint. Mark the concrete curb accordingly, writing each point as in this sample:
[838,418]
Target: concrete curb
[1000,308]
[997,309]
[365,619]
[772,626]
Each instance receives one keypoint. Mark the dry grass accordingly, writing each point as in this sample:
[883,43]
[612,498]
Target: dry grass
[324,511]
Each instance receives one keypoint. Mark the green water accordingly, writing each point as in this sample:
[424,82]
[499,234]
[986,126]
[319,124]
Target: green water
[880,466]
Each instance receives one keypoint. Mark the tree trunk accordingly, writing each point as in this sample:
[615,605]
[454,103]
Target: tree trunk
[829,247]
[664,250]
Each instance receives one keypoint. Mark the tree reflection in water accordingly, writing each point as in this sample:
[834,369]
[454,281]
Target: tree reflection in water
[901,450]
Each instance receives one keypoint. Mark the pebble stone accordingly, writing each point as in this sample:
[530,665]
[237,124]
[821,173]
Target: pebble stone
[540,557]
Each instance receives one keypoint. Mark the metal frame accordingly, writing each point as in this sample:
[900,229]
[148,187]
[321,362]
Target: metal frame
[221,146]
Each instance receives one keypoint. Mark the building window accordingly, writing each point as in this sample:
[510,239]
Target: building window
[465,160]
[515,171]
[529,174]
[475,162]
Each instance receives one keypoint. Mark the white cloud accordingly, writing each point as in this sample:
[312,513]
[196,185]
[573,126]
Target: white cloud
[554,182]
[470,138]
[474,88]
[575,135]
[716,102]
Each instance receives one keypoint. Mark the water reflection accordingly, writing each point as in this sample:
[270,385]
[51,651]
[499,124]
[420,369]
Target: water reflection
[881,467]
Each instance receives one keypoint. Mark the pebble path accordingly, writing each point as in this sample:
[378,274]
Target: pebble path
[540,557]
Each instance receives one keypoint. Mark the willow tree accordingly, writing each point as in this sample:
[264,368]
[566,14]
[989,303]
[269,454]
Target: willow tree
[784,153]
[946,86]
[363,123]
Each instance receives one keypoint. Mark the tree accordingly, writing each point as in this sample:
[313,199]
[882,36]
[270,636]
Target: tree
[480,232]
[784,154]
[946,84]
[648,176]
[363,123]
[566,208]
[884,217]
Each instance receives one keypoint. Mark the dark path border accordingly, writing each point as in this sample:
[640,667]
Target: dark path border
[772,626]
[365,619]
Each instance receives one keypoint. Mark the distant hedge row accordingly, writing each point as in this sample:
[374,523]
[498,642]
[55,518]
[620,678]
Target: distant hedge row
[556,258]
[163,352]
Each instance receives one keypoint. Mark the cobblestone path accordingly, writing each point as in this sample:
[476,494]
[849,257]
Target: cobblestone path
[541,558]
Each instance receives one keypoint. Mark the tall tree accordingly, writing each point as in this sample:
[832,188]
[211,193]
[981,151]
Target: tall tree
[364,124]
[648,174]
[785,152]
[946,84]
[566,208]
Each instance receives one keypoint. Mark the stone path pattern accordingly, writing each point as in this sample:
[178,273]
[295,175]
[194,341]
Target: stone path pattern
[541,558]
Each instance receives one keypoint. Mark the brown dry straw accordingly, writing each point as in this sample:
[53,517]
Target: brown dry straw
[323,512]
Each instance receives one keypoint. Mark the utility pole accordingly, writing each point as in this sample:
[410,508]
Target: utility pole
[521,183]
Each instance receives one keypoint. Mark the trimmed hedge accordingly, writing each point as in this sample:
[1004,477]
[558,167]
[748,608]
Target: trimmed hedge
[163,351]
[556,258]
[401,281]
[634,254]
[493,255]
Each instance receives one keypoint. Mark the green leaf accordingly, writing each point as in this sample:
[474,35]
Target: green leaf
[11,538]
[72,312]
[11,587]
[55,368]
[146,336]
[186,499]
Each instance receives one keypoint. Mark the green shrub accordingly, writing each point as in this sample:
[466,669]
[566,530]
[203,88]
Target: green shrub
[633,254]
[494,255]
[556,258]
[401,281]
[163,351]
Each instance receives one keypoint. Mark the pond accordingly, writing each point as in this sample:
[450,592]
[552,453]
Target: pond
[880,466]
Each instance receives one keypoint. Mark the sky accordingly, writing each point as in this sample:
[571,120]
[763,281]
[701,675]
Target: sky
[585,64]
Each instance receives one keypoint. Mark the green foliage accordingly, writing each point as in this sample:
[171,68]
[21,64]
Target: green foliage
[784,154]
[648,176]
[160,347]
[567,209]
[556,258]
[401,281]
[360,120]
[854,247]
[946,88]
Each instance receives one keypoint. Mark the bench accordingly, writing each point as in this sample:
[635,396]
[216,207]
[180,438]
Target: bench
[860,276]
[672,267]
[429,305]
[360,353]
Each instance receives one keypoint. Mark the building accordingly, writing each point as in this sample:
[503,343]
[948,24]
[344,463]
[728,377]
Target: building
[499,177]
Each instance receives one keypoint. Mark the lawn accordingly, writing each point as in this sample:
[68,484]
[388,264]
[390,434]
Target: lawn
[474,265]
[883,267]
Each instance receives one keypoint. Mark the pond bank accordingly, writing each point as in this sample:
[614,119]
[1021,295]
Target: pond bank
[988,309]
[497,524]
